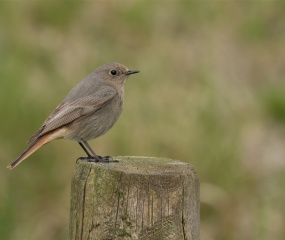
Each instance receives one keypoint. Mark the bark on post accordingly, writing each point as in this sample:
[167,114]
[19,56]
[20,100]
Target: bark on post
[137,198]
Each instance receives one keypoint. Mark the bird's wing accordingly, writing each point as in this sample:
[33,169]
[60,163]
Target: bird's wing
[68,112]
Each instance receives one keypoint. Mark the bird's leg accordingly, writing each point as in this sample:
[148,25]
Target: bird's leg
[85,150]
[94,157]
[89,156]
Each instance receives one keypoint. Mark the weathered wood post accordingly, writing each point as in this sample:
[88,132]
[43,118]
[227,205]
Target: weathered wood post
[137,198]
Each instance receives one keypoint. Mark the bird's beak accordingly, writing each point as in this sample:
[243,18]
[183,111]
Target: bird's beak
[129,72]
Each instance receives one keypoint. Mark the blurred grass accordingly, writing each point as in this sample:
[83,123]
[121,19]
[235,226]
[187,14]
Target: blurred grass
[210,92]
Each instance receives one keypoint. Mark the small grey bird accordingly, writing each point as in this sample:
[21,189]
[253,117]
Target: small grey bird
[88,111]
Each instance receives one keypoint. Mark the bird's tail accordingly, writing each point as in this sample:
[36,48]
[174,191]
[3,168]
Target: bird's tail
[31,149]
[56,134]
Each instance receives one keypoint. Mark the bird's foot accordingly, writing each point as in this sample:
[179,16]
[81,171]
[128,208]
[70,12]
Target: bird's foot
[104,159]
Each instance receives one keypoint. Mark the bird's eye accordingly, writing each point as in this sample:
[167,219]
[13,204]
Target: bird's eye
[113,72]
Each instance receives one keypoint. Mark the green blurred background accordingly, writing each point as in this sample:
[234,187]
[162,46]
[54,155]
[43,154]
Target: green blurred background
[211,92]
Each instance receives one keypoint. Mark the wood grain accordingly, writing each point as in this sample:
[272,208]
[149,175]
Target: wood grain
[136,198]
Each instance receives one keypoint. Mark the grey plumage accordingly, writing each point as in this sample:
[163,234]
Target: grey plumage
[89,110]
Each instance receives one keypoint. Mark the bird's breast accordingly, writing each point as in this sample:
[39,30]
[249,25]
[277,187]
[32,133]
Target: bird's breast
[97,123]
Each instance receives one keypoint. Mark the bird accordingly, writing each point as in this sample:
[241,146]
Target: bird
[88,111]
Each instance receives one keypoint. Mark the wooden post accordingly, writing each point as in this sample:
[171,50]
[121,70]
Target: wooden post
[137,198]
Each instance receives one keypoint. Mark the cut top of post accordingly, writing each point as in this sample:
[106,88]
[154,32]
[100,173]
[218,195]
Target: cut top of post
[148,166]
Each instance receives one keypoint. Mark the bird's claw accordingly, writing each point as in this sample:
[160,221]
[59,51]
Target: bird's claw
[100,159]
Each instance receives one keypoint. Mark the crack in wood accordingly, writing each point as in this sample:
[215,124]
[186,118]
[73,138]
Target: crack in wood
[83,205]
[118,203]
[183,206]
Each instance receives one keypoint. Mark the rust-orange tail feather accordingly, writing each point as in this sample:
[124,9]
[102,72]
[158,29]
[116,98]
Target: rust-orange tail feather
[58,133]
[31,149]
